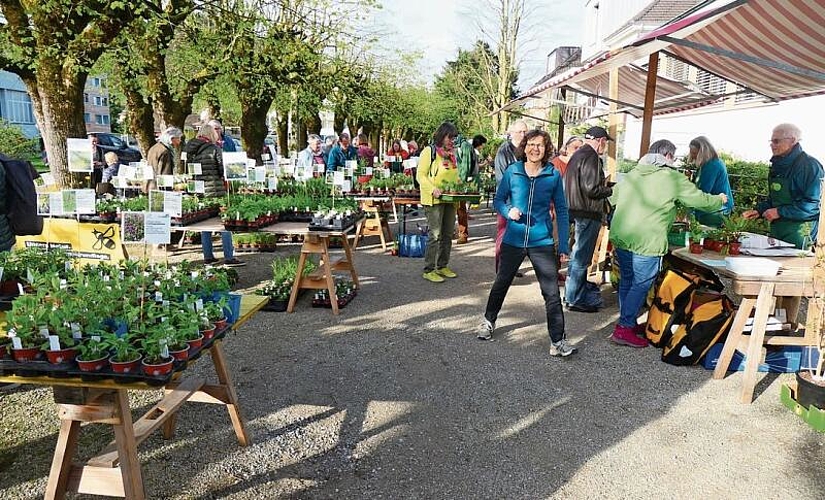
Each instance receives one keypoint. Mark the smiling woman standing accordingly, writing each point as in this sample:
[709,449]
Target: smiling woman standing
[523,198]
[437,166]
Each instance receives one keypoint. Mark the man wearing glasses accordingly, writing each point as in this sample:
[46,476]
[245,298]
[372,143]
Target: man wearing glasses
[794,189]
[587,191]
[506,156]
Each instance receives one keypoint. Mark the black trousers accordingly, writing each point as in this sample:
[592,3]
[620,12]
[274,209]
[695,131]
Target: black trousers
[544,263]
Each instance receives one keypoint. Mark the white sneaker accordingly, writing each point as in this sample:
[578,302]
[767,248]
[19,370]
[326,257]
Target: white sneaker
[485,330]
[561,348]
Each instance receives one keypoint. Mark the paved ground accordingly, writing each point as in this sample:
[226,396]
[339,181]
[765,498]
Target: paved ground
[395,398]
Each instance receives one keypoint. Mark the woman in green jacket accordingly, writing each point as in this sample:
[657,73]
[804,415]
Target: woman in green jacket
[645,202]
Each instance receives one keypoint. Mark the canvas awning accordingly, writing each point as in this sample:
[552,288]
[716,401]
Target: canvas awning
[775,48]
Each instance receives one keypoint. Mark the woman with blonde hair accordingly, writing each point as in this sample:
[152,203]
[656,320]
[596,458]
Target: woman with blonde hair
[711,177]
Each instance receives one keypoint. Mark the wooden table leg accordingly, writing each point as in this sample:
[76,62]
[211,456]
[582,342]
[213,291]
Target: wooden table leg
[296,286]
[735,334]
[219,360]
[329,276]
[348,253]
[754,356]
[62,461]
[127,448]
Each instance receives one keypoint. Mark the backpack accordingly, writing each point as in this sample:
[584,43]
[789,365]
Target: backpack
[21,197]
[705,325]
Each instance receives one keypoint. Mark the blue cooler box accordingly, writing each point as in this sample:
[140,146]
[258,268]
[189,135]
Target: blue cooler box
[788,359]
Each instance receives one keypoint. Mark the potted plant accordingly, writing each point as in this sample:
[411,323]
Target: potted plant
[63,349]
[697,233]
[732,229]
[125,356]
[92,354]
[25,319]
[215,313]
[156,360]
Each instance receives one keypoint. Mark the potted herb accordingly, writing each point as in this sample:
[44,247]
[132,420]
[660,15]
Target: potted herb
[215,313]
[24,318]
[156,360]
[60,345]
[732,229]
[697,233]
[125,355]
[92,354]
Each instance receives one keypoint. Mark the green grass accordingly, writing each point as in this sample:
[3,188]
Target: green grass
[38,163]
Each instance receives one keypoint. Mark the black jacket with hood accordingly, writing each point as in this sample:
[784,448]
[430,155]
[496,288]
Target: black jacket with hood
[585,186]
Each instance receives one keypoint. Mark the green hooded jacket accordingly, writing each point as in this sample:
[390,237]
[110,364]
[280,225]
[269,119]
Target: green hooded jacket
[645,201]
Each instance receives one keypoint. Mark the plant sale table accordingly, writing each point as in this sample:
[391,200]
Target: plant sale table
[115,471]
[794,281]
[315,243]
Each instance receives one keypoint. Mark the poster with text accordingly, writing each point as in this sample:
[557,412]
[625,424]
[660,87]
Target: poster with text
[157,228]
[80,155]
[173,203]
[85,201]
[234,166]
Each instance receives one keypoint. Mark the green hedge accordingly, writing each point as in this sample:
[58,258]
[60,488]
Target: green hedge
[748,181]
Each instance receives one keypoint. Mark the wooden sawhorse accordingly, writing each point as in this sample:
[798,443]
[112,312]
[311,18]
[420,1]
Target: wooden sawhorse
[317,243]
[374,224]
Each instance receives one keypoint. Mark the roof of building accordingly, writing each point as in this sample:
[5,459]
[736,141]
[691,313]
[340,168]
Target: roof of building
[658,12]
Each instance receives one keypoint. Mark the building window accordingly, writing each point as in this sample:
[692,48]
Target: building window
[97,100]
[87,118]
[104,101]
[18,107]
[98,82]
[102,119]
[86,98]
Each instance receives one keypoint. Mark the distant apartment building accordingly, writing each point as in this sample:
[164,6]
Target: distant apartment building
[96,105]
[16,105]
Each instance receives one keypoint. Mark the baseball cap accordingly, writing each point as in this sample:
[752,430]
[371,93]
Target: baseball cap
[597,133]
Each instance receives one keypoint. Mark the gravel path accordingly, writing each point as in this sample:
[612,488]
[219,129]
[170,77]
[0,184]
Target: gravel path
[395,398]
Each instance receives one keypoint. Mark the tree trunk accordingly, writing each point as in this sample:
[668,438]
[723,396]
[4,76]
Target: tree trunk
[253,126]
[301,135]
[57,102]
[282,126]
[338,121]
[314,124]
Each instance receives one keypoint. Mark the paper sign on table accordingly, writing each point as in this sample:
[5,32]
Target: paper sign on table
[173,203]
[258,174]
[272,183]
[166,181]
[48,179]
[133,227]
[85,199]
[126,171]
[338,178]
[353,164]
[196,187]
[183,156]
[158,228]
[369,171]
[80,153]
[44,203]
[194,169]
[234,166]
[56,203]
[346,186]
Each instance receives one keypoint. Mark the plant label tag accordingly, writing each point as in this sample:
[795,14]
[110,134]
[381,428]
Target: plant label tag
[194,274]
[368,171]
[77,334]
[106,278]
[95,338]
[166,303]
[158,297]
[54,343]
[163,319]
[75,327]
[265,157]
[20,289]
[183,155]
[1,273]
[67,265]
[44,332]
[29,276]
[16,343]
[164,348]
[62,284]
[199,305]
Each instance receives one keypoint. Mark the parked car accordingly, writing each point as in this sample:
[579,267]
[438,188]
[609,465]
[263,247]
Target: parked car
[112,142]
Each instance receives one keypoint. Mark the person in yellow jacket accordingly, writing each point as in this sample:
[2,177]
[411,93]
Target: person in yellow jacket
[434,169]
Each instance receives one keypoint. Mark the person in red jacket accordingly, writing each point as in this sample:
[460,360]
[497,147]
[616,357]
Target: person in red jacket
[396,151]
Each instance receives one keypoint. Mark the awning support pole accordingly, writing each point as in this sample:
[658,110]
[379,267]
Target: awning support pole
[613,123]
[650,97]
[562,109]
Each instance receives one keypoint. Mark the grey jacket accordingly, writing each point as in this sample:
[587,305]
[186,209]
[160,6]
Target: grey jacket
[505,156]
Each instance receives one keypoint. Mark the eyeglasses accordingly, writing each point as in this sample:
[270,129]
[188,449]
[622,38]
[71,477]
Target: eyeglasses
[777,141]
[534,145]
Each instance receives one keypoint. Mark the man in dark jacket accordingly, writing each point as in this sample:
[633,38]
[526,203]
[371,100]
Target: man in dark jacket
[795,189]
[587,192]
[506,156]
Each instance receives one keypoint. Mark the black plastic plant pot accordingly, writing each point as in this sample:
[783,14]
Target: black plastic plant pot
[808,392]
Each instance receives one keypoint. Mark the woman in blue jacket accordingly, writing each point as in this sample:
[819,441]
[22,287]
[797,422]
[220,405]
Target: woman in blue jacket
[712,178]
[524,197]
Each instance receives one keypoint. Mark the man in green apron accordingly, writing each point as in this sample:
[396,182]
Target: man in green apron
[794,189]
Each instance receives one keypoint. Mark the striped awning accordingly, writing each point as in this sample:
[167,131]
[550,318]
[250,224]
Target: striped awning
[775,48]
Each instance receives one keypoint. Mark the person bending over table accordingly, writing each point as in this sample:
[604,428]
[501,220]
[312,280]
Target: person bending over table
[524,195]
[645,202]
[711,177]
[794,189]
[436,166]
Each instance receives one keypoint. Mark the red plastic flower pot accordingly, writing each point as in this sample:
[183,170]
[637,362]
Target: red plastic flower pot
[209,332]
[158,370]
[180,355]
[61,356]
[27,354]
[734,248]
[94,365]
[195,344]
[220,324]
[696,248]
[125,366]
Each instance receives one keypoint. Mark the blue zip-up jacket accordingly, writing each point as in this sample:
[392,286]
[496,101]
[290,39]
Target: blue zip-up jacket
[533,197]
[713,179]
[338,157]
[805,185]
